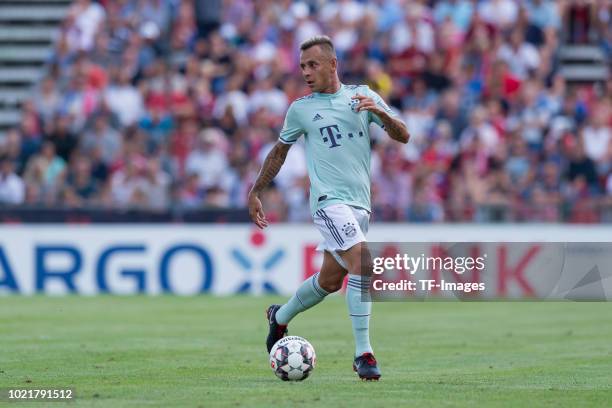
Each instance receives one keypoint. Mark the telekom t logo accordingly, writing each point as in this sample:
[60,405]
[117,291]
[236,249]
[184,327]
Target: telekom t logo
[332,134]
[251,268]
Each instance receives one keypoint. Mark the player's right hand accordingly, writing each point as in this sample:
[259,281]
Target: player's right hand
[256,211]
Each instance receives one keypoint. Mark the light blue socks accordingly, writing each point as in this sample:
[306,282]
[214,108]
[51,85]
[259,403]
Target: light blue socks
[360,308]
[307,295]
[310,293]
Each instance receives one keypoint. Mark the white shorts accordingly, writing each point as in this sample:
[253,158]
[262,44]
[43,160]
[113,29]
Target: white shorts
[342,226]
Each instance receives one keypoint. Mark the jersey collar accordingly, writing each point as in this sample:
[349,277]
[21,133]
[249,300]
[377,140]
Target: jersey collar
[329,95]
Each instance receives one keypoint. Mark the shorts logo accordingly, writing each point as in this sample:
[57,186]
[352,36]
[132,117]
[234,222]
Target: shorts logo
[349,229]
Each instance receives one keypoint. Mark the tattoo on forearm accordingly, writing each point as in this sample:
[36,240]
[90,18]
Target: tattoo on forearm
[271,166]
[395,128]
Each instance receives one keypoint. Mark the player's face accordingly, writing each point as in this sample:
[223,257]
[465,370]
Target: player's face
[318,68]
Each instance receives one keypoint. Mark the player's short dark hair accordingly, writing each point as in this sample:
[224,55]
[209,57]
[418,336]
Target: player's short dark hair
[322,40]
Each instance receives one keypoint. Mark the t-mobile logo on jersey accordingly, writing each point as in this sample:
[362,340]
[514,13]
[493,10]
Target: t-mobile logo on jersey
[332,134]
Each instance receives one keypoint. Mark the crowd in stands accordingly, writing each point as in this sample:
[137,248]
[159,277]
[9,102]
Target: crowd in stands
[161,105]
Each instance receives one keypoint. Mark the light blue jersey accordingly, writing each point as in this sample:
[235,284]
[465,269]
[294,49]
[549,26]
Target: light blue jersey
[337,144]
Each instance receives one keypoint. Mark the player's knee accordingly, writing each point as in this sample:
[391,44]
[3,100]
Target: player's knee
[330,285]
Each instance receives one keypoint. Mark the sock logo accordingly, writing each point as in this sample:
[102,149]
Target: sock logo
[349,229]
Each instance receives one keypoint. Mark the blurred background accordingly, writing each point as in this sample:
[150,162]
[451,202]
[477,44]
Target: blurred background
[163,110]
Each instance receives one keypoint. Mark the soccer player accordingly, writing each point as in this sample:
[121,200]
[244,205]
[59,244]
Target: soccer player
[334,120]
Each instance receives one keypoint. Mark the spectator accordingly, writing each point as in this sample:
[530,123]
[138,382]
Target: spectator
[459,11]
[501,13]
[480,129]
[157,12]
[235,98]
[129,186]
[190,194]
[87,17]
[12,187]
[520,56]
[158,126]
[451,111]
[547,195]
[207,160]
[378,79]
[159,185]
[517,166]
[543,13]
[62,137]
[216,197]
[266,96]
[104,138]
[434,76]
[427,204]
[391,188]
[496,203]
[597,135]
[416,33]
[11,148]
[208,16]
[81,188]
[583,168]
[46,100]
[46,170]
[420,98]
[533,117]
[124,99]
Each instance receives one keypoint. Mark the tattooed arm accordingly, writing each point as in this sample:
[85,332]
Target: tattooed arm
[271,166]
[394,127]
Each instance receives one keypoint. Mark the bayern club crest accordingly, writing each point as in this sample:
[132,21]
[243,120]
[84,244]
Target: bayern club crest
[349,229]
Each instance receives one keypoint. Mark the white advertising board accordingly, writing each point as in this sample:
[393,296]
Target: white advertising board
[228,259]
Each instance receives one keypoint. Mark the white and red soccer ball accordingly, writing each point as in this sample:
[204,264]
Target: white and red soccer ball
[292,358]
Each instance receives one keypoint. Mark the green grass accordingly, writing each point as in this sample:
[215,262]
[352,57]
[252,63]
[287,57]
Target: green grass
[209,352]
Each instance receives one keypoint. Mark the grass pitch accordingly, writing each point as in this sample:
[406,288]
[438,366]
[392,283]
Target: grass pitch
[209,352]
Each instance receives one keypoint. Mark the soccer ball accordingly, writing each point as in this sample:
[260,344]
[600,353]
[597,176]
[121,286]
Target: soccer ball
[292,358]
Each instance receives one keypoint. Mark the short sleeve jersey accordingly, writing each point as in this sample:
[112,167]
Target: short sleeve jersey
[337,140]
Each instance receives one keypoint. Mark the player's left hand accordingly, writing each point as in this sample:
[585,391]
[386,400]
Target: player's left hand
[367,103]
[256,211]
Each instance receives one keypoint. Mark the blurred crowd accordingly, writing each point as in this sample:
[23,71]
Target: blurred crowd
[173,105]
